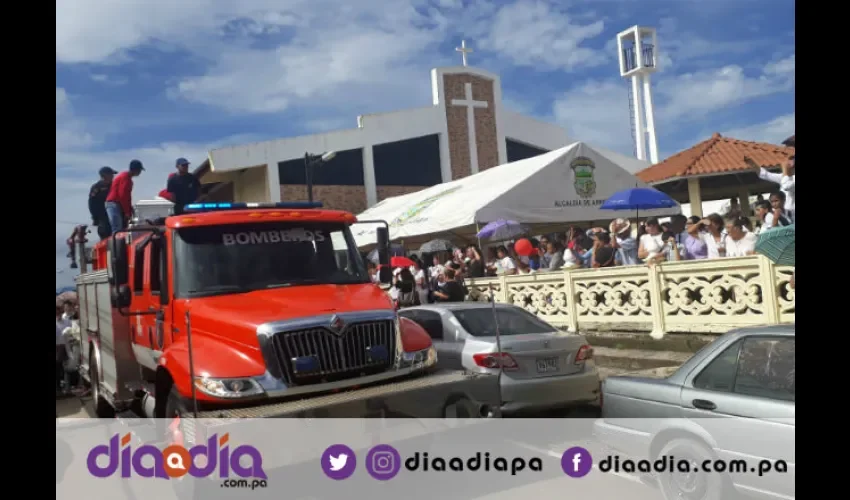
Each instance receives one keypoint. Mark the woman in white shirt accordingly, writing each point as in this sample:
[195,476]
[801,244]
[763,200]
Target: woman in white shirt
[506,263]
[421,284]
[710,231]
[651,244]
[739,241]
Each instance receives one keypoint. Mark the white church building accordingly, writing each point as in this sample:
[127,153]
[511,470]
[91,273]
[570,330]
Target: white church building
[466,129]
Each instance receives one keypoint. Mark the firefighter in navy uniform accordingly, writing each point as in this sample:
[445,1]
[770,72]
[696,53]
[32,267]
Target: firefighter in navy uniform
[183,187]
[97,202]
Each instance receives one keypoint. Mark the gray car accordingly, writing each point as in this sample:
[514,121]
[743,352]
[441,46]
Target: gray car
[543,366]
[733,401]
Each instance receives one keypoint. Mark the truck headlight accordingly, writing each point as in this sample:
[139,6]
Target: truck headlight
[228,388]
[424,358]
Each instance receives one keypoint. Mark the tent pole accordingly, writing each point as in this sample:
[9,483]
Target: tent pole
[478,230]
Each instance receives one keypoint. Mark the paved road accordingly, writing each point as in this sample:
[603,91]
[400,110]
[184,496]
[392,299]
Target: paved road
[303,479]
[73,407]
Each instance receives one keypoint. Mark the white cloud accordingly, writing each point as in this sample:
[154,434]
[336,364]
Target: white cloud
[98,31]
[333,50]
[694,95]
[772,132]
[538,34]
[598,111]
[70,133]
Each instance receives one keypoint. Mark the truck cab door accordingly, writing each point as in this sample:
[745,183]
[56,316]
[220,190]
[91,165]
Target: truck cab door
[149,328]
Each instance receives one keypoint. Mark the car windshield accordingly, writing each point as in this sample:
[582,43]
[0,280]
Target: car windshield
[235,258]
[480,322]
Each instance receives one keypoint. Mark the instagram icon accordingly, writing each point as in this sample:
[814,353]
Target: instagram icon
[383,462]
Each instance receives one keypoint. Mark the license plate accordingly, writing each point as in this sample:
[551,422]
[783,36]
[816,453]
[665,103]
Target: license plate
[547,365]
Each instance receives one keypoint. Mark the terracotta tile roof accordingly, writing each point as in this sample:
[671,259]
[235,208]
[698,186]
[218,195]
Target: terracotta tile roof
[716,155]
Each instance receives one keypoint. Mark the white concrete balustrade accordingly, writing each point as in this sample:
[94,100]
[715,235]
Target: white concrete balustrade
[710,296]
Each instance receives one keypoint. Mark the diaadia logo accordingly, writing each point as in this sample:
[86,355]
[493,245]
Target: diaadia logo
[175,461]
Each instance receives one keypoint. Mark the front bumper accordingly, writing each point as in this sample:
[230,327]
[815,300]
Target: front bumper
[422,395]
[550,392]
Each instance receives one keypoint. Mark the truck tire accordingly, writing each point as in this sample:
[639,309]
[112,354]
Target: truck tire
[174,406]
[702,485]
[102,408]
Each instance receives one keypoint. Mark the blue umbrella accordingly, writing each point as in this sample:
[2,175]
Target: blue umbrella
[502,229]
[638,199]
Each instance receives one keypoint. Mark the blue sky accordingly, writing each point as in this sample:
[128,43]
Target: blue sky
[158,79]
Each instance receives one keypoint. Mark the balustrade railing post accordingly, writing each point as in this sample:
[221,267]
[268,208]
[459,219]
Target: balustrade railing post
[503,295]
[572,305]
[769,296]
[659,327]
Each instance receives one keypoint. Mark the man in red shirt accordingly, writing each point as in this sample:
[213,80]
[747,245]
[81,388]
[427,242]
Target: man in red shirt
[119,201]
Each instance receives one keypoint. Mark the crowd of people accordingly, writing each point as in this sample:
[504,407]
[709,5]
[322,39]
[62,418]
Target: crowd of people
[67,347]
[442,281]
[620,244]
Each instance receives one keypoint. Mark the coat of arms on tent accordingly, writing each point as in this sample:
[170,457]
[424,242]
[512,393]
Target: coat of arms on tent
[411,213]
[585,184]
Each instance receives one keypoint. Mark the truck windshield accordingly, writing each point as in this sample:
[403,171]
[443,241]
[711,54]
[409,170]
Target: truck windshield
[211,260]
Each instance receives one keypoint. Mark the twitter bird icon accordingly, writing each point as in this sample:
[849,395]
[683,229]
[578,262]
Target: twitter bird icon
[339,462]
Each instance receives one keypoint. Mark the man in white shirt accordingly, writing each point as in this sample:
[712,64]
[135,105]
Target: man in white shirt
[622,241]
[61,353]
[787,184]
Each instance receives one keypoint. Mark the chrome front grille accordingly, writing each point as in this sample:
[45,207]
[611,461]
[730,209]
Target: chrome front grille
[335,356]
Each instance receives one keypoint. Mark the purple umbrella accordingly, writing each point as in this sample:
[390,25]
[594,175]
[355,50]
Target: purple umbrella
[502,229]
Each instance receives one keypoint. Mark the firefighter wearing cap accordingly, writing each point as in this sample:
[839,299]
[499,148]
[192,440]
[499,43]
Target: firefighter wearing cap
[97,202]
[119,201]
[183,187]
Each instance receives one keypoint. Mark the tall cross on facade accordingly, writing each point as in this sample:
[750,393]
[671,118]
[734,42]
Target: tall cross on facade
[470,123]
[463,50]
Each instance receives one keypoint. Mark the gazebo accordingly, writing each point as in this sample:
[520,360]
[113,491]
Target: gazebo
[715,169]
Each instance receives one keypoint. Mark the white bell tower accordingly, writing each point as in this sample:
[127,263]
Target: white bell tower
[637,48]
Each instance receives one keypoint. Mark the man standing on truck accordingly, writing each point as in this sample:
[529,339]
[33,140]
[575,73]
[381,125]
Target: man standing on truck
[119,201]
[97,202]
[183,187]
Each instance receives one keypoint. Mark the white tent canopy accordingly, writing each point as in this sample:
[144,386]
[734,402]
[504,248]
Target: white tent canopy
[559,187]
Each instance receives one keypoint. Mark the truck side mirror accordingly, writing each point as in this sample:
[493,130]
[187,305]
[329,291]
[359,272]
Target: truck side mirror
[123,297]
[163,270]
[385,275]
[383,234]
[118,262]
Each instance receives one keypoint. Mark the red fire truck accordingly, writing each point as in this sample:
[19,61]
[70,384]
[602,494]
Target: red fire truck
[256,310]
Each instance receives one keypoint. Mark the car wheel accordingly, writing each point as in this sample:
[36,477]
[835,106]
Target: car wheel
[693,484]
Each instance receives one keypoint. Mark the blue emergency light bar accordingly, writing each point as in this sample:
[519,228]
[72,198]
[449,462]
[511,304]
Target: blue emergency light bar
[213,207]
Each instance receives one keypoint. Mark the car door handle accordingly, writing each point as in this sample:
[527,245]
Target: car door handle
[704,404]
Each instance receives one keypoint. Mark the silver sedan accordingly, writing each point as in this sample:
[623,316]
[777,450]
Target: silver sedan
[543,367]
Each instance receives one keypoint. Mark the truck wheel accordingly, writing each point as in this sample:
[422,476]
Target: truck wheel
[696,483]
[102,408]
[174,406]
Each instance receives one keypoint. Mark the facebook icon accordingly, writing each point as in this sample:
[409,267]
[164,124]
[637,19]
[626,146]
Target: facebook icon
[576,462]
